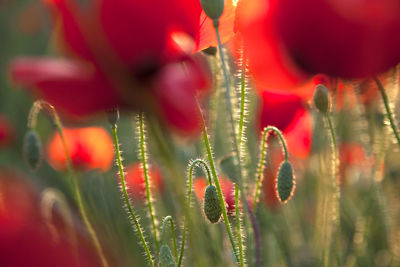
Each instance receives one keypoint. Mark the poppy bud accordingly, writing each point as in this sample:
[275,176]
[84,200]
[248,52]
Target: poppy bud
[112,116]
[32,149]
[321,98]
[213,8]
[285,182]
[212,208]
[166,259]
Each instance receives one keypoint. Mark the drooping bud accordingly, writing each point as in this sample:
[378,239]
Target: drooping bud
[32,149]
[166,259]
[212,207]
[213,8]
[321,98]
[285,184]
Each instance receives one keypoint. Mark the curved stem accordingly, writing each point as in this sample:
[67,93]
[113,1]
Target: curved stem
[163,241]
[143,156]
[126,197]
[388,111]
[193,164]
[260,168]
[32,119]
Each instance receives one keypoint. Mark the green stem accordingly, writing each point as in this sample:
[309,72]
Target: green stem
[32,119]
[143,155]
[163,241]
[242,102]
[193,164]
[237,151]
[219,191]
[335,209]
[388,111]
[239,227]
[126,197]
[263,152]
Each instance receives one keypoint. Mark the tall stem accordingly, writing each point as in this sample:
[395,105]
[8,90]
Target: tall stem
[32,119]
[237,151]
[126,197]
[143,155]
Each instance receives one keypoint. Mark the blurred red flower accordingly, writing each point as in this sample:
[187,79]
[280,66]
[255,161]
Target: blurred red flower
[24,238]
[287,112]
[287,41]
[227,187]
[135,181]
[89,148]
[6,131]
[126,54]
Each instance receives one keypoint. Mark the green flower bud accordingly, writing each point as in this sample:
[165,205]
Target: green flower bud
[212,207]
[321,98]
[213,8]
[32,149]
[112,116]
[166,259]
[285,184]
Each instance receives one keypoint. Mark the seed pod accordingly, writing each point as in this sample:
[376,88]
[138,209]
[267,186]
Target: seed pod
[285,184]
[213,8]
[212,208]
[32,149]
[166,259]
[321,98]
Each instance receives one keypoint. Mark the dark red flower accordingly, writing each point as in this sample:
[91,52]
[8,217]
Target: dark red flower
[6,131]
[286,41]
[136,184]
[126,54]
[25,239]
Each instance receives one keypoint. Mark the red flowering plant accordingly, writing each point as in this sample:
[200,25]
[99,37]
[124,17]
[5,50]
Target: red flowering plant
[293,117]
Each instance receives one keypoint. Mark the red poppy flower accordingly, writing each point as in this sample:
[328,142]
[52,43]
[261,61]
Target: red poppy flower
[126,55]
[6,131]
[25,240]
[89,148]
[286,112]
[135,181]
[350,39]
[227,187]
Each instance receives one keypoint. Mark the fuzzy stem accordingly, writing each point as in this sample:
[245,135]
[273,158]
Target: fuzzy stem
[242,103]
[126,196]
[163,241]
[219,191]
[238,227]
[389,113]
[260,167]
[143,152]
[237,151]
[193,164]
[32,119]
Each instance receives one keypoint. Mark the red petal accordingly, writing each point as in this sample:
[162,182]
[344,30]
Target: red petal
[71,87]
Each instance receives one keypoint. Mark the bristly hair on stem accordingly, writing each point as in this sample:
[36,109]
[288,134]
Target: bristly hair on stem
[131,214]
[145,167]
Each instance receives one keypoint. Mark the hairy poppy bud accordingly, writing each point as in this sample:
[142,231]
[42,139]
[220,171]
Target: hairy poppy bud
[166,259]
[32,149]
[212,208]
[285,182]
[213,8]
[321,98]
